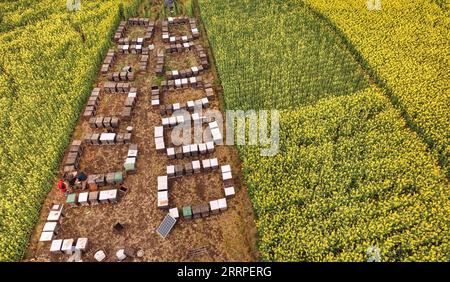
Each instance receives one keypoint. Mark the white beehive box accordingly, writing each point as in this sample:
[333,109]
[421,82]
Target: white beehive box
[159,131]
[173,121]
[165,122]
[196,166]
[214,163]
[170,170]
[186,150]
[222,204]
[162,183]
[56,245]
[171,153]
[194,149]
[206,164]
[159,144]
[163,199]
[174,213]
[210,146]
[227,176]
[155,102]
[67,246]
[229,192]
[180,119]
[46,236]
[202,148]
[225,168]
[81,244]
[214,206]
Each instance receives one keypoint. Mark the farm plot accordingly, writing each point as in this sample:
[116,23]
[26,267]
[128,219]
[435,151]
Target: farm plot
[349,175]
[129,218]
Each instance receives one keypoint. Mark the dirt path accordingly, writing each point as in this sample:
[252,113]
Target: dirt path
[229,236]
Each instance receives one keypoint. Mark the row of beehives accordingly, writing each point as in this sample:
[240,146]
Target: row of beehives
[125,74]
[190,168]
[108,61]
[109,123]
[68,246]
[179,47]
[72,161]
[159,70]
[122,28]
[177,74]
[51,225]
[165,26]
[106,138]
[181,151]
[177,39]
[130,102]
[94,101]
[178,118]
[168,110]
[202,55]
[182,83]
[117,87]
[141,22]
[94,181]
[143,62]
[190,150]
[120,32]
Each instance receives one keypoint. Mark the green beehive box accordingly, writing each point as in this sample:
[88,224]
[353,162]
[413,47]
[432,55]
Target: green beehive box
[129,167]
[71,199]
[118,177]
[187,212]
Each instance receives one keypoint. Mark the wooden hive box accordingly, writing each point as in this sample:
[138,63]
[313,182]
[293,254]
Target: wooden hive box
[179,170]
[99,122]
[196,211]
[204,209]
[114,122]
[120,138]
[126,113]
[188,168]
[95,139]
[127,138]
[179,152]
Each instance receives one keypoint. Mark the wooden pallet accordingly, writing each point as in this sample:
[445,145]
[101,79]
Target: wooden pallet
[198,252]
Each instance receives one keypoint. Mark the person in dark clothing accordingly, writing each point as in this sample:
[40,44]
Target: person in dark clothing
[81,176]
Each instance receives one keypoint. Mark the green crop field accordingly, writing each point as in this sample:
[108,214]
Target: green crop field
[351,172]
[362,91]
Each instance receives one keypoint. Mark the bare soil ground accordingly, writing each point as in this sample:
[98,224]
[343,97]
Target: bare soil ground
[229,236]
